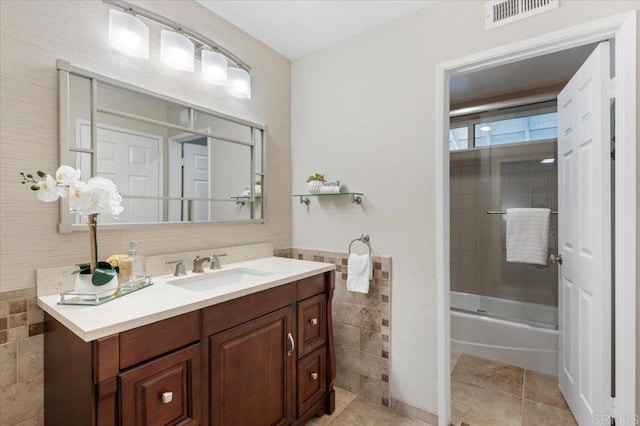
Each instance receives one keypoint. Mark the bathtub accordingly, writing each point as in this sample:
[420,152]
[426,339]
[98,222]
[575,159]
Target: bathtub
[534,347]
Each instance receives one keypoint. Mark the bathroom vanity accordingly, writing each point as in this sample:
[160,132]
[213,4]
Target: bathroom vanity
[252,353]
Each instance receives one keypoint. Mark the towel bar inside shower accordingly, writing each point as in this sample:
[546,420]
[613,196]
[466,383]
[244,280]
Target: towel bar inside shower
[501,212]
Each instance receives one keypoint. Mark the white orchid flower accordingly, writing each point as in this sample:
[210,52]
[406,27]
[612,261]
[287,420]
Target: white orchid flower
[67,174]
[79,197]
[104,197]
[49,190]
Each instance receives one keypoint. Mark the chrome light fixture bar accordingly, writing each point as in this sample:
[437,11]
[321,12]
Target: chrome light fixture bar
[213,70]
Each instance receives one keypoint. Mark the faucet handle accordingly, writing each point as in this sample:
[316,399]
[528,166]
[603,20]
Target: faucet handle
[180,269]
[215,262]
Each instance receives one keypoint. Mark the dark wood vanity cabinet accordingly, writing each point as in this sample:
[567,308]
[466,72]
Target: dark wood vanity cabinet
[252,371]
[262,359]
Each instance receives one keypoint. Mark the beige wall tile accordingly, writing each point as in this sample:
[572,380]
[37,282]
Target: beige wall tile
[30,357]
[8,364]
[21,401]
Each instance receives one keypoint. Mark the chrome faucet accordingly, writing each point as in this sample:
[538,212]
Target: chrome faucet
[180,269]
[198,264]
[215,262]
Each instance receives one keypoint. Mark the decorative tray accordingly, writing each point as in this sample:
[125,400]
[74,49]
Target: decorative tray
[73,298]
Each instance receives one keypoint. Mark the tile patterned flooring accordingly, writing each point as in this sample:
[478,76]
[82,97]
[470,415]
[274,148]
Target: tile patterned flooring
[353,410]
[483,393]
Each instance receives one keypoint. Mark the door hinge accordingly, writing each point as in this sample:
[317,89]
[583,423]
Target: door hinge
[610,88]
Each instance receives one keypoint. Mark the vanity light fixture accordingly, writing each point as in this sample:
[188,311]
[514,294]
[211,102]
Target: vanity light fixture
[548,160]
[239,83]
[178,47]
[177,50]
[215,68]
[128,34]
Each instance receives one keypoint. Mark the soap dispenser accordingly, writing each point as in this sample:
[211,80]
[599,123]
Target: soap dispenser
[138,271]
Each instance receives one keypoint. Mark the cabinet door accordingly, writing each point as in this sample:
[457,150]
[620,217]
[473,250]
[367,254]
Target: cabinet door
[252,372]
[164,391]
[312,325]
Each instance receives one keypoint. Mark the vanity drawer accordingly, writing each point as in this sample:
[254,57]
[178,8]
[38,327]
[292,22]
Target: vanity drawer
[149,341]
[164,391]
[312,328]
[311,286]
[311,379]
[221,317]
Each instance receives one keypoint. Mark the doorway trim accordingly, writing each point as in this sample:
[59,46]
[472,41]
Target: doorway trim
[622,27]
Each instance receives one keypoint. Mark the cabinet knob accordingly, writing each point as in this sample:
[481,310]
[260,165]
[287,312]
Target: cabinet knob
[314,321]
[167,397]
[314,376]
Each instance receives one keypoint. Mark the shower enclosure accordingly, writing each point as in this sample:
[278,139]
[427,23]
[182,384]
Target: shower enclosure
[500,164]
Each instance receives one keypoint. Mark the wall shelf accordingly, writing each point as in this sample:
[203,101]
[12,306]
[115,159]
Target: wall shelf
[243,199]
[356,197]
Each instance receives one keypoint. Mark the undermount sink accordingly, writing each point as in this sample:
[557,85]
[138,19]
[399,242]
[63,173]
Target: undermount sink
[211,280]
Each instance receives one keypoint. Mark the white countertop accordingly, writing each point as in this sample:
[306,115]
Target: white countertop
[162,300]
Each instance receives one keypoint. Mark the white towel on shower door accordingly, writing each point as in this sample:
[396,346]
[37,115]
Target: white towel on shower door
[358,272]
[528,235]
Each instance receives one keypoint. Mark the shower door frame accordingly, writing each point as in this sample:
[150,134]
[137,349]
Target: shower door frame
[622,28]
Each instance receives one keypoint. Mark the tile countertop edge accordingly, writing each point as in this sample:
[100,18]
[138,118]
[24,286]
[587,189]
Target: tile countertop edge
[50,306]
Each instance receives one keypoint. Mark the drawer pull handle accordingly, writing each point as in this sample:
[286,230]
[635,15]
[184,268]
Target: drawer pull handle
[292,344]
[314,321]
[167,397]
[314,376]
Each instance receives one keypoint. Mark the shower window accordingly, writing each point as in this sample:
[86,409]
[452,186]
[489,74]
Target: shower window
[529,123]
[458,138]
[517,130]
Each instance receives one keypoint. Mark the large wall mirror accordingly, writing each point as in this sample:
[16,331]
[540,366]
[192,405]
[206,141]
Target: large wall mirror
[171,161]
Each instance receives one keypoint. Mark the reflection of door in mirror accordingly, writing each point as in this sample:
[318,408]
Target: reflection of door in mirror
[160,151]
[132,160]
[195,180]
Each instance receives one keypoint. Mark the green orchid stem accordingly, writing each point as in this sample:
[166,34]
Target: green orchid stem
[93,241]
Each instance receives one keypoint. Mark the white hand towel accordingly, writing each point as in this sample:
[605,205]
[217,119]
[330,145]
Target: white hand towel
[358,273]
[528,235]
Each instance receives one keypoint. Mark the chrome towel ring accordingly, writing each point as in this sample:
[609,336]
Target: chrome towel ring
[364,238]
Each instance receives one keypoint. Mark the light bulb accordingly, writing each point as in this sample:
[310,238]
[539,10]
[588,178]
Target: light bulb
[128,34]
[215,68]
[239,83]
[176,50]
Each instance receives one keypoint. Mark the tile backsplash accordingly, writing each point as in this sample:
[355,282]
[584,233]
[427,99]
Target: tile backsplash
[21,358]
[361,326]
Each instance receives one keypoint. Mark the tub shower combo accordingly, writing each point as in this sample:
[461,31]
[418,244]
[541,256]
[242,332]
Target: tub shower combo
[501,310]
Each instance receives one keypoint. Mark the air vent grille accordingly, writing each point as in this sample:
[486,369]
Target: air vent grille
[502,12]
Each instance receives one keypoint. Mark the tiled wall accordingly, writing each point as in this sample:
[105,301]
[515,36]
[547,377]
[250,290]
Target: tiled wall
[21,357]
[497,179]
[361,326]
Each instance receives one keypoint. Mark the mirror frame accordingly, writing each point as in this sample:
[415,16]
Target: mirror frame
[66,223]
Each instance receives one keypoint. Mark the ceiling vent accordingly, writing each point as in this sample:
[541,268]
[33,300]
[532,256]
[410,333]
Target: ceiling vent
[502,12]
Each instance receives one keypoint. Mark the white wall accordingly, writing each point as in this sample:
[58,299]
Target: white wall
[363,111]
[36,33]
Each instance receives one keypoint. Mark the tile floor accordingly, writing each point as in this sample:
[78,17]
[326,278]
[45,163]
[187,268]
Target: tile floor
[485,392]
[353,410]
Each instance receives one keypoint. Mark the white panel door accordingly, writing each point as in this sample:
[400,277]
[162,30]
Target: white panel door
[132,161]
[584,239]
[196,179]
